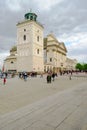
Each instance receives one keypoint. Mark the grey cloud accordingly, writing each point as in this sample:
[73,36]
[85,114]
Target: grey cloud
[76,52]
[67,17]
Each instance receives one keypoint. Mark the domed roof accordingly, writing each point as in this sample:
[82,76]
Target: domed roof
[30,16]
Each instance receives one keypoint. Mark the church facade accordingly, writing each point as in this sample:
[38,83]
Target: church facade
[33,51]
[55,54]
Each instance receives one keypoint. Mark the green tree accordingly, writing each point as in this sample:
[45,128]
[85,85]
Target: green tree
[79,66]
[85,67]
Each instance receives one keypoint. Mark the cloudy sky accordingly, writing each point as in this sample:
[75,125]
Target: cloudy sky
[66,19]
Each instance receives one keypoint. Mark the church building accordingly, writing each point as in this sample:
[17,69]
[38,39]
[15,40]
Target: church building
[33,52]
[55,52]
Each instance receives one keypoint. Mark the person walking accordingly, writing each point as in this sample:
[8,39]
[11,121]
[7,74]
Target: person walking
[48,78]
[4,79]
[53,76]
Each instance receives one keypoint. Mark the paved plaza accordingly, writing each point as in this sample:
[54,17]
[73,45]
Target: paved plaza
[36,105]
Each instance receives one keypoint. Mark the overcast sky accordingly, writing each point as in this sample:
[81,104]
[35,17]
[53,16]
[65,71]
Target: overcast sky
[66,19]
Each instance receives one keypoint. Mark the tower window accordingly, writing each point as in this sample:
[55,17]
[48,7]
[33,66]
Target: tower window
[38,51]
[24,37]
[27,17]
[50,59]
[24,29]
[31,18]
[38,38]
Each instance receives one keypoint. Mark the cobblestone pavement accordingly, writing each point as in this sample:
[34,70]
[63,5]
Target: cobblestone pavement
[36,105]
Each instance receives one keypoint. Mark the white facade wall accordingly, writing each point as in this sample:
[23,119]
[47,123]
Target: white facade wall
[38,54]
[10,64]
[29,59]
[24,47]
[70,64]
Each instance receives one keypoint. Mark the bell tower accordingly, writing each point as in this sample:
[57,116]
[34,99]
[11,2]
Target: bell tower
[30,44]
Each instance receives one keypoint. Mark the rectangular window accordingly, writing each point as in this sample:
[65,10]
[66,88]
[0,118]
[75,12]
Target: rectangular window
[50,59]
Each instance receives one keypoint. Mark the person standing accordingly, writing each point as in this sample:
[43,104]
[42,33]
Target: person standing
[4,79]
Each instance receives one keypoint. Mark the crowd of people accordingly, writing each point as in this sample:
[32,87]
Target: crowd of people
[50,76]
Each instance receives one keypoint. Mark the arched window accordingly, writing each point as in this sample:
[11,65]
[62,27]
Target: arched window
[31,18]
[50,59]
[27,17]
[24,29]
[37,51]
[24,37]
[38,38]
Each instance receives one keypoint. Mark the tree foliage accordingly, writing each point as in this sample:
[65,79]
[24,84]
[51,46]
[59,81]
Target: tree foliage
[81,67]
[85,67]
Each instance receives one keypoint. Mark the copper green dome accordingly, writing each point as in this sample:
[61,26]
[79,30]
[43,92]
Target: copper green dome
[30,16]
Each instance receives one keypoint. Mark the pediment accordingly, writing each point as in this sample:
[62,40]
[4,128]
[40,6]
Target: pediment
[51,40]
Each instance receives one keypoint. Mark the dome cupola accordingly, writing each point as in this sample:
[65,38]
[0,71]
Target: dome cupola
[30,16]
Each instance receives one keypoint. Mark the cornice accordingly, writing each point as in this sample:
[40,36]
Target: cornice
[57,47]
[29,21]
